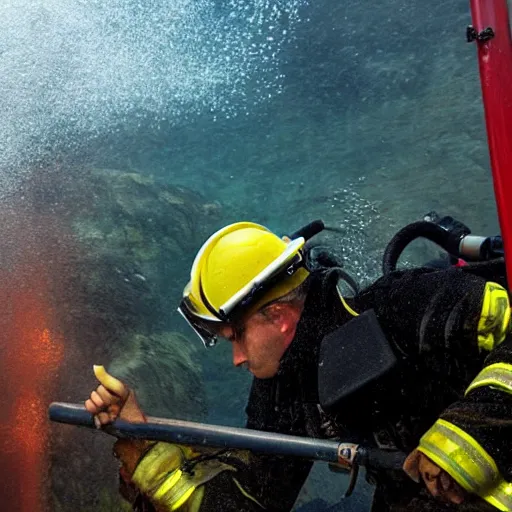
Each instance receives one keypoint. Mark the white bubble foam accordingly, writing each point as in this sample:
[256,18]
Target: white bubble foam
[70,70]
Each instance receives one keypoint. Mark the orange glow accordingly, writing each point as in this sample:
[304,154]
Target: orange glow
[32,361]
[30,354]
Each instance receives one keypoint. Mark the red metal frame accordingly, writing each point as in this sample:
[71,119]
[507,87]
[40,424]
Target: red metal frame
[495,62]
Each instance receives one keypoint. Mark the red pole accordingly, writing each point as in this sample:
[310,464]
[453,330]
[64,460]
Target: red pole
[495,63]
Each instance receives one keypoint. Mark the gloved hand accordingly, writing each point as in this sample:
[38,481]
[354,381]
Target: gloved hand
[439,483]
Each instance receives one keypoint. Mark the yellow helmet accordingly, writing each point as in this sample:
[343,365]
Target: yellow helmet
[239,269]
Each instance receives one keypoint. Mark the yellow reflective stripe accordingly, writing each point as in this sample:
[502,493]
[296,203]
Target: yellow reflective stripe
[467,462]
[174,501]
[345,305]
[494,317]
[168,484]
[180,501]
[501,497]
[498,375]
[156,464]
[459,453]
[158,475]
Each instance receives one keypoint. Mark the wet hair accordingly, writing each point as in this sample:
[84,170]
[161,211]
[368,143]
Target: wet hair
[296,296]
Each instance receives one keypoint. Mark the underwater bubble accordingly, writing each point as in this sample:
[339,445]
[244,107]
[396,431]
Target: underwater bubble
[77,70]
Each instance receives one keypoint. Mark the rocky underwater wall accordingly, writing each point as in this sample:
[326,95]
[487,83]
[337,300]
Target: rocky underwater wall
[92,265]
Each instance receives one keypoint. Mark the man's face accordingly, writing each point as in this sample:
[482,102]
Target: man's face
[261,341]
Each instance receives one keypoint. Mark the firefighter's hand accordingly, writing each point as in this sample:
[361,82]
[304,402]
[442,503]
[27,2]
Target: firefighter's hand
[112,399]
[439,483]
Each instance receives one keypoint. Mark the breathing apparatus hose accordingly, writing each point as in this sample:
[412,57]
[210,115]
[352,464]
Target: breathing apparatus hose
[449,234]
[324,258]
[309,230]
[420,229]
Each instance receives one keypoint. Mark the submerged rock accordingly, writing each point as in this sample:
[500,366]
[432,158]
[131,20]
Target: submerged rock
[165,373]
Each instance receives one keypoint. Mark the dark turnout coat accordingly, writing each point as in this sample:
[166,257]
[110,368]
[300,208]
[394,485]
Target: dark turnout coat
[430,319]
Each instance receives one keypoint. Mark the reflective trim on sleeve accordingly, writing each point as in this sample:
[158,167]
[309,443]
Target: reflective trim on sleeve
[157,464]
[168,484]
[466,461]
[498,375]
[494,317]
[501,497]
[159,475]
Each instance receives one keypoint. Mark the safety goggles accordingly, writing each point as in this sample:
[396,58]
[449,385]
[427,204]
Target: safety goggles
[207,335]
[232,310]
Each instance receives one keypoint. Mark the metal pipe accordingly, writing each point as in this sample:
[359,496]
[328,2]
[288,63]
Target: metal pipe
[202,434]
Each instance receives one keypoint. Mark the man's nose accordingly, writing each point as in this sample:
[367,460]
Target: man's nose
[238,354]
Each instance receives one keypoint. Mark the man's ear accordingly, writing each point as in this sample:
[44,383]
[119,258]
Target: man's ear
[285,316]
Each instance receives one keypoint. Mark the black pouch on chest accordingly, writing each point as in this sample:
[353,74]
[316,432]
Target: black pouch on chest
[352,358]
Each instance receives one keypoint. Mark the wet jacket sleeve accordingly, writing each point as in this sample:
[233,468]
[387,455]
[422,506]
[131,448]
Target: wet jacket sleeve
[472,439]
[458,324]
[169,477]
[164,477]
[441,315]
